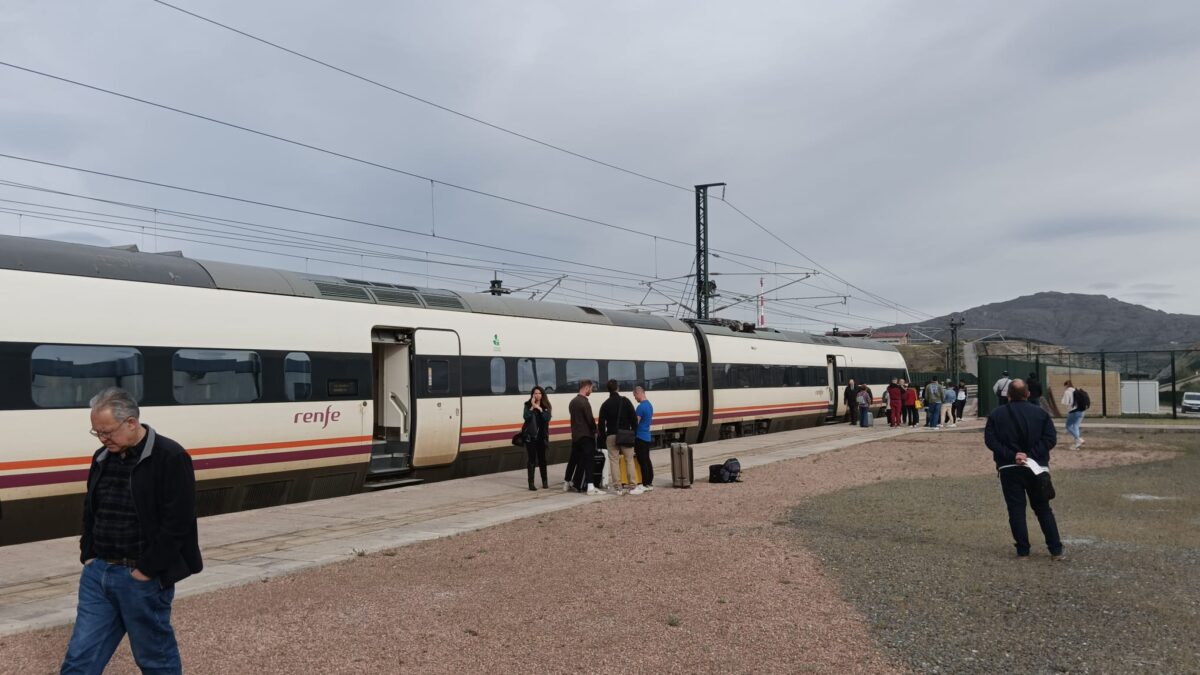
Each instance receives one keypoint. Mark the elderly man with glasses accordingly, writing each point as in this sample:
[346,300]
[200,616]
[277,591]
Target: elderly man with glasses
[139,539]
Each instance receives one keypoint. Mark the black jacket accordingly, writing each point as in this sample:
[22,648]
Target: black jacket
[1032,434]
[1035,388]
[616,406]
[164,493]
[536,425]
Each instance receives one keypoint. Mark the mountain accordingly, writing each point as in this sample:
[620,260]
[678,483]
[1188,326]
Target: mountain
[1084,323]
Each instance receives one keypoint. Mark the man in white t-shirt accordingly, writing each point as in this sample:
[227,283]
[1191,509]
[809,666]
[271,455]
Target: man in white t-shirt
[1001,388]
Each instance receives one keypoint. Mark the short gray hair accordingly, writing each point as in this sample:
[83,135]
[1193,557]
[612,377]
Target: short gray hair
[119,402]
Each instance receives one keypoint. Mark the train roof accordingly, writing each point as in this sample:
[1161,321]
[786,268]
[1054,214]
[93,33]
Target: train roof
[750,331]
[129,264]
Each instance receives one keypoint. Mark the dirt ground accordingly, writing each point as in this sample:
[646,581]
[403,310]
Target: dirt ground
[719,578]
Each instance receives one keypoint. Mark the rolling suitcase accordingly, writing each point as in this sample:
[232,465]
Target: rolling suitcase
[681,465]
[870,420]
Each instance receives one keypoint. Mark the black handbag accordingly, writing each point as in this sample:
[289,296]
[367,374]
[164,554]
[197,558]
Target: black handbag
[625,437]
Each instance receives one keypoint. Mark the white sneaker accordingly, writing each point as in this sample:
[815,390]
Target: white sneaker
[1075,445]
[647,488]
[953,425]
[593,492]
[637,490]
[620,492]
[1081,440]
[566,486]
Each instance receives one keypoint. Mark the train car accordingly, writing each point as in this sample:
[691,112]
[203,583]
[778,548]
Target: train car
[762,380]
[286,386]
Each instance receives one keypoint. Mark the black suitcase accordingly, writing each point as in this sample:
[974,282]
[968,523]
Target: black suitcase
[576,478]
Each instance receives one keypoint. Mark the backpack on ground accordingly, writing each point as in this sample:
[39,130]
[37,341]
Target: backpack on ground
[1082,400]
[728,472]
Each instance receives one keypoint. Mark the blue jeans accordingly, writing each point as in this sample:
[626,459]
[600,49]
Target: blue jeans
[1074,420]
[935,415]
[111,603]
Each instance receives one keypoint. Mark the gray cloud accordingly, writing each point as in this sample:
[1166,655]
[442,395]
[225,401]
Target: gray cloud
[873,138]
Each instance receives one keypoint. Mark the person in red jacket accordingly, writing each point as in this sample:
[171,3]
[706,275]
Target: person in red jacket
[911,417]
[895,397]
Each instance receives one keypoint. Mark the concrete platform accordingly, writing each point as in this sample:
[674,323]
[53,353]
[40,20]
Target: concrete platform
[39,580]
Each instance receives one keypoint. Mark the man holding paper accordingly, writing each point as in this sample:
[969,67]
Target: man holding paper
[1020,436]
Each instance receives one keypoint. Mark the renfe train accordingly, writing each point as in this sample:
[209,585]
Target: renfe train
[286,387]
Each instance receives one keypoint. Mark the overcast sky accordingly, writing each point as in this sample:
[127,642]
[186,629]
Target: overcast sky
[939,155]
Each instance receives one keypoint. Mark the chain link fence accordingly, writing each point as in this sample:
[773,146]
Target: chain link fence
[1152,383]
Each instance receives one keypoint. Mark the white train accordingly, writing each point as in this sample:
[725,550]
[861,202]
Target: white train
[287,387]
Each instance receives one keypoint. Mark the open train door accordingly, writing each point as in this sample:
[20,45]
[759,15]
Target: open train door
[835,367]
[437,392]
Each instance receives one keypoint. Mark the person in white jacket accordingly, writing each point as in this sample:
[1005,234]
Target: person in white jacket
[1074,416]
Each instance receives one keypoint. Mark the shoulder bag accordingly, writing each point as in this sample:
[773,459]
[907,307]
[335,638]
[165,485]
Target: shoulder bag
[625,437]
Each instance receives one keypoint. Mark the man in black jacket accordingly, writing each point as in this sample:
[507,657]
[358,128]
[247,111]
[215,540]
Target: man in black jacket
[1020,434]
[617,414]
[139,539]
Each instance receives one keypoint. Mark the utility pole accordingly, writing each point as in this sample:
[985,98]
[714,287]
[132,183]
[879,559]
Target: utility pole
[704,288]
[956,322]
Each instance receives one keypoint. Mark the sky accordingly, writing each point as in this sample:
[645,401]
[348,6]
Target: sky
[921,158]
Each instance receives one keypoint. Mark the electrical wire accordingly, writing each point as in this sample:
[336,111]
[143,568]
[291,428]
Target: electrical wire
[419,99]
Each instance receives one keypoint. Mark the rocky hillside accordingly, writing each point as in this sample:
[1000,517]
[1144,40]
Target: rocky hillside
[1081,322]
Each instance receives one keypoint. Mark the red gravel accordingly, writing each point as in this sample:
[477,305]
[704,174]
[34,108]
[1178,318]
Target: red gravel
[705,580]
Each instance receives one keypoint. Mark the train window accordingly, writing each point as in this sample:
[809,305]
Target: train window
[579,370]
[499,376]
[68,376]
[624,372]
[687,376]
[297,376]
[532,372]
[774,376]
[216,376]
[818,376]
[437,376]
[658,375]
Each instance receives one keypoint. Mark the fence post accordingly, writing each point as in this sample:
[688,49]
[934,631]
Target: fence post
[1103,387]
[1174,411]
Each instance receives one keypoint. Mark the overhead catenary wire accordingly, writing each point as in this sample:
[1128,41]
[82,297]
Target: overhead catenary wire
[601,278]
[420,99]
[395,90]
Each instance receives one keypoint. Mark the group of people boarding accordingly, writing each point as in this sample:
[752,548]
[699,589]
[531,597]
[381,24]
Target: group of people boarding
[622,429]
[902,402]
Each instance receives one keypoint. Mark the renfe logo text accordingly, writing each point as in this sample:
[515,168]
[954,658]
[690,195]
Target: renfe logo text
[323,417]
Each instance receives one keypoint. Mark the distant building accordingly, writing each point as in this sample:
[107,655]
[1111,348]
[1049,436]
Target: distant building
[890,338]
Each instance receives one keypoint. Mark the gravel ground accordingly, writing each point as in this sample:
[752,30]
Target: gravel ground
[712,579]
[930,563]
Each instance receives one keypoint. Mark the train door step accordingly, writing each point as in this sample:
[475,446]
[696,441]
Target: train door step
[387,483]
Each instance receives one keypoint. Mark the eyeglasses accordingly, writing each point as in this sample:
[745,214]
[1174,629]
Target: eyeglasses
[106,434]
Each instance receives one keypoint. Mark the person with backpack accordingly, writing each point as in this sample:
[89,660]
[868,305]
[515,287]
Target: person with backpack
[618,429]
[1001,388]
[1075,402]
[536,434]
[864,405]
